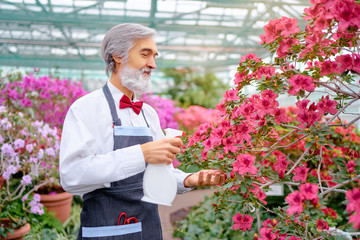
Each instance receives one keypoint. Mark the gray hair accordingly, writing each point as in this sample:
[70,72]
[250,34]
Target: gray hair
[119,40]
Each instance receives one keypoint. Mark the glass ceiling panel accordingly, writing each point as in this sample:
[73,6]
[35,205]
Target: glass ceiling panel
[66,34]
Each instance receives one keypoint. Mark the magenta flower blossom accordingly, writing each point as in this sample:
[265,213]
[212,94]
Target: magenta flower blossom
[309,191]
[245,164]
[353,196]
[326,105]
[350,166]
[295,200]
[242,222]
[267,234]
[300,82]
[300,173]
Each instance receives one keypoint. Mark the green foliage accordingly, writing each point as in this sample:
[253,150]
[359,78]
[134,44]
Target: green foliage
[48,227]
[190,88]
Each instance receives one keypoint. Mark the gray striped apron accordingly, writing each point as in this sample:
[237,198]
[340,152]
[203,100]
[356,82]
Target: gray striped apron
[117,212]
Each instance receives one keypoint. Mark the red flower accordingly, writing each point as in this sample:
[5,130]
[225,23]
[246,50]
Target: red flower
[244,164]
[321,224]
[353,196]
[301,174]
[267,234]
[295,201]
[242,222]
[309,191]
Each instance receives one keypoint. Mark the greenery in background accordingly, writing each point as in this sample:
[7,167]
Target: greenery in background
[192,88]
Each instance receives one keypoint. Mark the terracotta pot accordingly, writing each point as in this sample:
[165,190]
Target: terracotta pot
[18,233]
[59,203]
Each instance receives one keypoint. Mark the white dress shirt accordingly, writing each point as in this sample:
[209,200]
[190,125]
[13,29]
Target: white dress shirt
[87,158]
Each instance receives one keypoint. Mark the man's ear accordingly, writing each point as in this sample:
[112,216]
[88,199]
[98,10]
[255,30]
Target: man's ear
[116,59]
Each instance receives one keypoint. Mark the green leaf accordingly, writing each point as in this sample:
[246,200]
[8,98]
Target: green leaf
[328,147]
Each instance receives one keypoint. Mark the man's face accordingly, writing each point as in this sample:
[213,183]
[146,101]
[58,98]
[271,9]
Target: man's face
[135,74]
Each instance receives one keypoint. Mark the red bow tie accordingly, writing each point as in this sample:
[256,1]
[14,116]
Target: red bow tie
[125,103]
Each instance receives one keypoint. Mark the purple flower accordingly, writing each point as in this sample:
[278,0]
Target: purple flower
[1,139]
[8,150]
[41,153]
[5,124]
[29,148]
[37,197]
[50,152]
[9,170]
[19,143]
[26,180]
[32,159]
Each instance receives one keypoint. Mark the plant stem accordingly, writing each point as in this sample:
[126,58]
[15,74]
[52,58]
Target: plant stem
[339,185]
[298,161]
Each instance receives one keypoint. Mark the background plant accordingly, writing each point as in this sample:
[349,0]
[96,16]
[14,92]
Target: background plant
[42,97]
[192,117]
[29,160]
[188,87]
[310,148]
[165,108]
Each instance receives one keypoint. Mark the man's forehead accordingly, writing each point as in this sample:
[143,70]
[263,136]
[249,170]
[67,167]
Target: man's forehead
[146,44]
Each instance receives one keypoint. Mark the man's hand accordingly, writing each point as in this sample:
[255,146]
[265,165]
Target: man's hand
[205,178]
[161,151]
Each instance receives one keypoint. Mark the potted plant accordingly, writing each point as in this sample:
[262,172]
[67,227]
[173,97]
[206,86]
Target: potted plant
[29,160]
[43,98]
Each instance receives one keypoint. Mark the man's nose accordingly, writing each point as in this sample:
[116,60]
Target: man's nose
[151,63]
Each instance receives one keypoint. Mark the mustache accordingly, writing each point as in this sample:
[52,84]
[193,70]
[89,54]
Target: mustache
[147,70]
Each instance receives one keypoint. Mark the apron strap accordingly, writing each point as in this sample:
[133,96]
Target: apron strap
[142,111]
[110,100]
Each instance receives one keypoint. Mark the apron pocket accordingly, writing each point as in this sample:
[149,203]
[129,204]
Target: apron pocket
[128,231]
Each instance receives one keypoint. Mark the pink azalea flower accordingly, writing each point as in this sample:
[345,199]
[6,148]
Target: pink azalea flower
[344,62]
[309,191]
[242,222]
[355,219]
[326,105]
[250,56]
[285,45]
[300,82]
[300,173]
[295,200]
[350,166]
[353,196]
[328,67]
[267,234]
[229,145]
[321,224]
[281,163]
[245,164]
[231,95]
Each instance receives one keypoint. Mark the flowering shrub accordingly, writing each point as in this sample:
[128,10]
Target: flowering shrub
[309,149]
[165,109]
[46,99]
[191,118]
[29,160]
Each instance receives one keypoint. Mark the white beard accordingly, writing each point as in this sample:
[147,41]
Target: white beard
[135,80]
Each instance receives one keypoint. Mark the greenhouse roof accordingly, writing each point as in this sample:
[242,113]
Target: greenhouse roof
[67,34]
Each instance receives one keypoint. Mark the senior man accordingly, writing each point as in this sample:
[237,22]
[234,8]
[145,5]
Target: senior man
[108,138]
